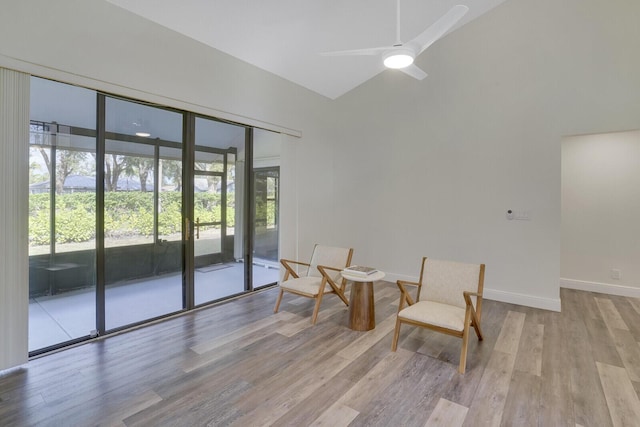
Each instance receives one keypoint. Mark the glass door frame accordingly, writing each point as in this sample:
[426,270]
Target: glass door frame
[189,173]
[187,227]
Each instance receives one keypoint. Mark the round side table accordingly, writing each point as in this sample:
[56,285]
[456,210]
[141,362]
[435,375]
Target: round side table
[362,313]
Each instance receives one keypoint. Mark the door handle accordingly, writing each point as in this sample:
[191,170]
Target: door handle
[187,227]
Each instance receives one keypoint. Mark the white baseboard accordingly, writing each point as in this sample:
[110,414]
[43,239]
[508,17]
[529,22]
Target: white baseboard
[523,299]
[502,296]
[603,288]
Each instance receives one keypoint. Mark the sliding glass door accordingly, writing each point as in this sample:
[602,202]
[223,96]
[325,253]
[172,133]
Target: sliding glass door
[138,211]
[142,212]
[62,214]
[218,177]
[266,208]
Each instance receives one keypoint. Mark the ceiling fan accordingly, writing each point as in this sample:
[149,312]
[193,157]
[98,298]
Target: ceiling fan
[401,55]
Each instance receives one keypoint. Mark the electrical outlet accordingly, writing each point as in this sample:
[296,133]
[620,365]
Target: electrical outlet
[616,274]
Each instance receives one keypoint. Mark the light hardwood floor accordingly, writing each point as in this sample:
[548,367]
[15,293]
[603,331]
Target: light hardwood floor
[239,364]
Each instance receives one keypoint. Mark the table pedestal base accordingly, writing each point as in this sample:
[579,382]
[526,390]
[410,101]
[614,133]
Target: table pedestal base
[362,314]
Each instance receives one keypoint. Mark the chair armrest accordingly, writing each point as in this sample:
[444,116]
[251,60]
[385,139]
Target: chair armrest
[471,311]
[290,261]
[405,296]
[289,270]
[406,282]
[326,267]
[326,278]
[467,296]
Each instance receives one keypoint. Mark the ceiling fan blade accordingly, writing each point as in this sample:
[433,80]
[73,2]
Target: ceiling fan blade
[413,71]
[370,51]
[437,30]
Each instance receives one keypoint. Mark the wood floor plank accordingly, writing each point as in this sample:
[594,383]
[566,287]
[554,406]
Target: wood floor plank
[408,402]
[556,398]
[586,388]
[565,368]
[115,416]
[378,378]
[629,352]
[337,415]
[293,327]
[522,405]
[625,343]
[589,304]
[447,413]
[237,334]
[603,347]
[621,397]
[313,406]
[629,315]
[488,404]
[530,351]
[509,338]
[434,344]
[610,314]
[271,407]
[369,338]
[635,303]
[636,385]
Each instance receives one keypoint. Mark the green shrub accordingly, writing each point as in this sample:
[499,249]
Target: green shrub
[126,214]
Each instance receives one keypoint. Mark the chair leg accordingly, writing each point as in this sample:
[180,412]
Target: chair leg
[463,352]
[465,342]
[396,334]
[275,310]
[316,309]
[478,330]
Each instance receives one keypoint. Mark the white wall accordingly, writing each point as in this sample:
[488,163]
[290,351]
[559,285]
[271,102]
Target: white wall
[600,212]
[430,168]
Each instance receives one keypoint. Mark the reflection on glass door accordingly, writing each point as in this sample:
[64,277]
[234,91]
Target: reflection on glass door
[266,183]
[266,205]
[217,211]
[142,213]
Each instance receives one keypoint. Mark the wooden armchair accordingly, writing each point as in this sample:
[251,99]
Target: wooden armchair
[324,269]
[449,300]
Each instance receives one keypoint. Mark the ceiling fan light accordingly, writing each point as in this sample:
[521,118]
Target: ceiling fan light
[398,60]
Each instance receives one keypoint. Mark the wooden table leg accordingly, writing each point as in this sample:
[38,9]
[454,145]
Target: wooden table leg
[362,314]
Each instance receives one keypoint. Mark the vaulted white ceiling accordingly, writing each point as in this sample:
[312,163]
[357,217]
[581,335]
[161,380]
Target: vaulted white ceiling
[286,37]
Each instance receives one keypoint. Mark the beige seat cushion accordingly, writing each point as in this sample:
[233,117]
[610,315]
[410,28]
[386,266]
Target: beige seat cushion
[435,313]
[307,285]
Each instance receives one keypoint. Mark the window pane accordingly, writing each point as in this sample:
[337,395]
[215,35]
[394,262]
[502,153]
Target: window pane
[53,102]
[128,197]
[170,194]
[209,162]
[133,119]
[266,181]
[218,242]
[143,245]
[62,214]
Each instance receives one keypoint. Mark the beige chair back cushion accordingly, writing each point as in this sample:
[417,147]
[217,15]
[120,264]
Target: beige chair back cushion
[444,281]
[328,256]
